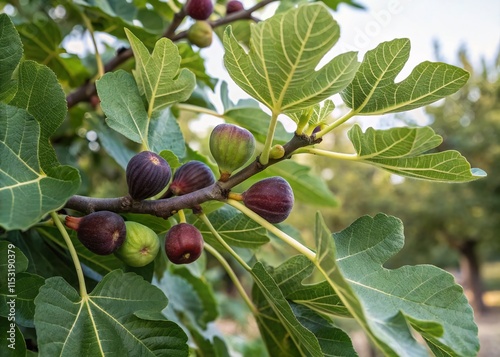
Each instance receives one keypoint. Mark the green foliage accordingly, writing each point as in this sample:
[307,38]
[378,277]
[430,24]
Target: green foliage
[82,303]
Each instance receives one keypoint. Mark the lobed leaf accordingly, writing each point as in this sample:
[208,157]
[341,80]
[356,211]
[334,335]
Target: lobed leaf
[26,192]
[283,333]
[387,302]
[158,75]
[106,321]
[279,69]
[165,133]
[401,151]
[373,90]
[42,96]
[11,52]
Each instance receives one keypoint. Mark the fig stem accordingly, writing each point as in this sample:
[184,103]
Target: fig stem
[264,157]
[98,58]
[336,123]
[235,196]
[233,277]
[216,234]
[197,109]
[273,229]
[182,216]
[72,252]
[326,153]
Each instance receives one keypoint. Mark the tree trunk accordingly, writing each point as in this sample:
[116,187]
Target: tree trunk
[470,269]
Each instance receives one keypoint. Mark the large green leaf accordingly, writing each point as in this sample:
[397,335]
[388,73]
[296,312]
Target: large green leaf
[280,68]
[26,192]
[190,297]
[373,90]
[387,302]
[42,43]
[158,75]
[18,289]
[284,334]
[11,51]
[42,96]
[124,108]
[106,321]
[400,151]
[235,228]
[165,133]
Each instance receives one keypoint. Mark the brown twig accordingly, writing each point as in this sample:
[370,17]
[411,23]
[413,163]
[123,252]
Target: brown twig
[87,90]
[167,207]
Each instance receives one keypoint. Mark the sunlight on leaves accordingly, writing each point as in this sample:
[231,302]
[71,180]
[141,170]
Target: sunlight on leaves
[401,151]
[279,69]
[373,90]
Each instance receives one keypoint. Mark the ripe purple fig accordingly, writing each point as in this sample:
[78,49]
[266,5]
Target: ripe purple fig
[147,174]
[231,146]
[183,243]
[234,6]
[271,198]
[191,176]
[100,232]
[200,34]
[199,9]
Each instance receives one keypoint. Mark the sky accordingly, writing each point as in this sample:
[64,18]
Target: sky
[453,23]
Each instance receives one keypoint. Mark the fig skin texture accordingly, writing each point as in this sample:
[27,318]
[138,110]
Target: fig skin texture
[147,174]
[271,198]
[183,243]
[234,6]
[199,9]
[191,176]
[231,146]
[140,247]
[200,34]
[101,232]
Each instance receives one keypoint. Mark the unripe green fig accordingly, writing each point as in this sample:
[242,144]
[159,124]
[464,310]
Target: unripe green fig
[140,247]
[199,9]
[231,146]
[271,198]
[200,34]
[277,152]
[101,232]
[183,243]
[191,176]
[147,174]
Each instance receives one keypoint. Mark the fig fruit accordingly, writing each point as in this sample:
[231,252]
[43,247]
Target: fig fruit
[234,6]
[101,232]
[200,34]
[231,146]
[147,174]
[199,9]
[271,198]
[190,177]
[183,243]
[140,247]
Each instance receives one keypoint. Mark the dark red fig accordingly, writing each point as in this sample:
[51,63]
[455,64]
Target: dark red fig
[100,232]
[183,243]
[147,174]
[191,176]
[199,9]
[271,198]
[234,6]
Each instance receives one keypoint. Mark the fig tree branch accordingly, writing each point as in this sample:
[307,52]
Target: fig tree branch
[87,90]
[167,207]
